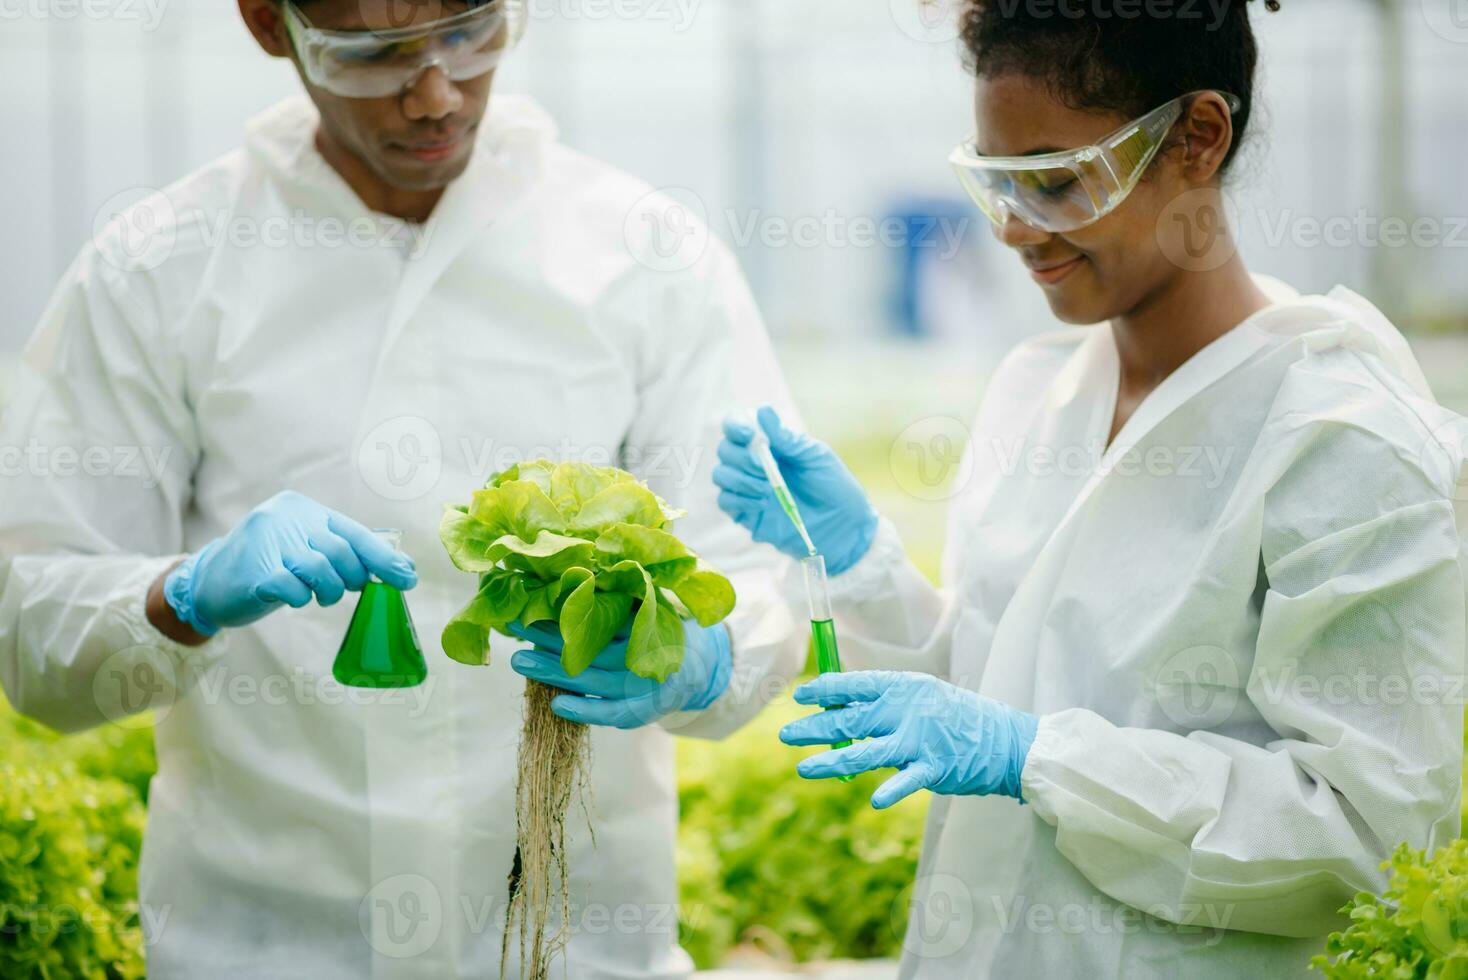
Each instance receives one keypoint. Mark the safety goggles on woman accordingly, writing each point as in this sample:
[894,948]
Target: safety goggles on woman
[1066,191]
[370,64]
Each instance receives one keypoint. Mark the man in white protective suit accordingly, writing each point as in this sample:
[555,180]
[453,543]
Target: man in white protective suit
[425,288]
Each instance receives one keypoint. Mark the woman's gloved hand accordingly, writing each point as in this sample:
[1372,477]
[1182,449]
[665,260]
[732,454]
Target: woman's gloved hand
[943,738]
[840,519]
[284,552]
[607,693]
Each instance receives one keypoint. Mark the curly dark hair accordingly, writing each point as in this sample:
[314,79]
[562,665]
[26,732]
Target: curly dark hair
[1126,56]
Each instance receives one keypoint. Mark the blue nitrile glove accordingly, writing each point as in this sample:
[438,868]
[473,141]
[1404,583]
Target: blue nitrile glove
[840,519]
[942,737]
[284,552]
[607,693]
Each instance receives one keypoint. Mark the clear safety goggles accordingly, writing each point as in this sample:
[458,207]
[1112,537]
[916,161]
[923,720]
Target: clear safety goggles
[370,64]
[1066,191]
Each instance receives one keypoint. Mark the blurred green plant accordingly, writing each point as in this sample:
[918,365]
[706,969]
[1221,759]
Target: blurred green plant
[111,752]
[764,852]
[69,844]
[1417,929]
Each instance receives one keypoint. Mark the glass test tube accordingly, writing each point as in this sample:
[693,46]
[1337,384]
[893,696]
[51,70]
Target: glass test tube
[822,627]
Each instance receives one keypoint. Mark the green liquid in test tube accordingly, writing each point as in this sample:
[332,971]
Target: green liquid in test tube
[381,648]
[823,628]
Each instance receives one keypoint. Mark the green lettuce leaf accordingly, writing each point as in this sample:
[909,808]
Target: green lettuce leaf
[541,604]
[501,598]
[620,503]
[644,545]
[518,507]
[707,595]
[548,554]
[467,541]
[589,621]
[656,646]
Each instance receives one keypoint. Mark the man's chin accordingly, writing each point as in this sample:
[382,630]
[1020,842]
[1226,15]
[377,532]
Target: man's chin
[417,177]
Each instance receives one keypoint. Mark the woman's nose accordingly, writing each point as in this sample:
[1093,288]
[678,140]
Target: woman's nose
[1015,233]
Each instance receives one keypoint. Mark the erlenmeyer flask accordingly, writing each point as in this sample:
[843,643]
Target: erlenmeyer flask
[381,646]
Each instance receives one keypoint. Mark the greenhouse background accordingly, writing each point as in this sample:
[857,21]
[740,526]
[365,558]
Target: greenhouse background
[796,128]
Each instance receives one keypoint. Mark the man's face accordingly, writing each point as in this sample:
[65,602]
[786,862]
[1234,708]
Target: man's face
[419,140]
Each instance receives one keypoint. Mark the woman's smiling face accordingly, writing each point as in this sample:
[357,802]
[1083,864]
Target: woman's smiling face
[1106,269]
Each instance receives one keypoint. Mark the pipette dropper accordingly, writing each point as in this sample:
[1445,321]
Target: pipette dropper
[760,446]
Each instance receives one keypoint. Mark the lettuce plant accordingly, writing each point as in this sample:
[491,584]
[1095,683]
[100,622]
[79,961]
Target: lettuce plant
[585,547]
[590,549]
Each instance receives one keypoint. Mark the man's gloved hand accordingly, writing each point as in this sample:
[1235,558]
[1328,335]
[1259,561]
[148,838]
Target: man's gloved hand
[841,521]
[607,693]
[284,552]
[943,738]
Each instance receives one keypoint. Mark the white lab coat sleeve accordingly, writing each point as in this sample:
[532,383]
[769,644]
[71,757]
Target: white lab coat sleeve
[100,449]
[710,356]
[1357,667]
[888,615]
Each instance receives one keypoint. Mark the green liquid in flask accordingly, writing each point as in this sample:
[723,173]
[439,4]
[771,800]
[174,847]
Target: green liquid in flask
[828,660]
[381,647]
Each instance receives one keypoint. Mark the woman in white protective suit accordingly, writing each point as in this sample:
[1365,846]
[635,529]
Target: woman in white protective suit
[1179,703]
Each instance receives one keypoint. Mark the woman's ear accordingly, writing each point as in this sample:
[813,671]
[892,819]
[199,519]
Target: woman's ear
[267,24]
[1208,132]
